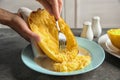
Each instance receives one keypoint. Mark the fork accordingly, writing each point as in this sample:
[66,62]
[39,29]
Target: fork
[61,38]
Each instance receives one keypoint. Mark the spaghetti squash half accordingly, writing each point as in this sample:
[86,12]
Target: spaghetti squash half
[42,23]
[114,35]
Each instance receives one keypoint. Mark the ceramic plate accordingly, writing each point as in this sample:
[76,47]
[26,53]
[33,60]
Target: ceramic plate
[96,52]
[104,41]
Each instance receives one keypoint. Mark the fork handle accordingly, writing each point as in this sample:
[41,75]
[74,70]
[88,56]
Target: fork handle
[57,25]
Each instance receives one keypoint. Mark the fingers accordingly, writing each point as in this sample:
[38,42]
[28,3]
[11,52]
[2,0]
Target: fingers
[54,7]
[46,5]
[60,5]
[57,8]
[28,34]
[19,25]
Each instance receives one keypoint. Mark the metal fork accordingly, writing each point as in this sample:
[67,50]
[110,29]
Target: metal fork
[61,38]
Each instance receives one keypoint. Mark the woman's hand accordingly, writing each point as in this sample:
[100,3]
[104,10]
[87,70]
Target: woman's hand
[18,24]
[54,7]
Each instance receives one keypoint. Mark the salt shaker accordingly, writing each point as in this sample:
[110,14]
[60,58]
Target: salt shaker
[96,26]
[87,31]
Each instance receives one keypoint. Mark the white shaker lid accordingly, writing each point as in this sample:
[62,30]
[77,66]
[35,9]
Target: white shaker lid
[96,18]
[87,23]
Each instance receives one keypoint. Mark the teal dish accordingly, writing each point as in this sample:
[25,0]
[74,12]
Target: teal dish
[96,51]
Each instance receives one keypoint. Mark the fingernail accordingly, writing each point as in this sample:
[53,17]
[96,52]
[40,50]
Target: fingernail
[37,39]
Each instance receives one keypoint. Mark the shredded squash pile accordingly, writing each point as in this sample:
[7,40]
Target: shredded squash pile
[42,23]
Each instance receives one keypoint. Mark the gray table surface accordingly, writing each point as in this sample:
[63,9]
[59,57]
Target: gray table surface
[12,67]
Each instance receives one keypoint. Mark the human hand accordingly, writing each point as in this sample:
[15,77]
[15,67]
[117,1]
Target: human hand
[54,7]
[21,27]
[18,24]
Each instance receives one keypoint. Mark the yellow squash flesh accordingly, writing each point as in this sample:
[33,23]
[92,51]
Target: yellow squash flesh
[114,35]
[42,23]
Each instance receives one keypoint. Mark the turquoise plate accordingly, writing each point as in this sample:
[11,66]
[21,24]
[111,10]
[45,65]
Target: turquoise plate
[96,52]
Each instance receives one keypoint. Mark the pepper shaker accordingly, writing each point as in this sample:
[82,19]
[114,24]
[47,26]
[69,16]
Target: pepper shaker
[96,26]
[87,31]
